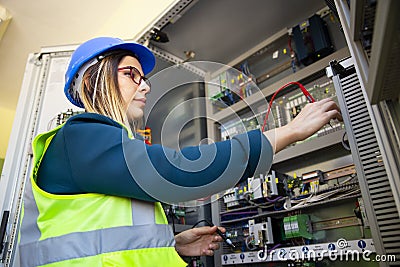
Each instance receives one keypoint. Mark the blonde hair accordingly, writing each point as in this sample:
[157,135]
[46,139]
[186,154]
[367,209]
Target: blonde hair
[100,91]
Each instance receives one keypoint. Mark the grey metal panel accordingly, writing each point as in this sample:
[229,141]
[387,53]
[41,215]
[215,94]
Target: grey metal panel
[172,15]
[355,47]
[308,147]
[18,159]
[392,238]
[36,106]
[356,9]
[381,208]
[383,76]
[383,195]
[387,198]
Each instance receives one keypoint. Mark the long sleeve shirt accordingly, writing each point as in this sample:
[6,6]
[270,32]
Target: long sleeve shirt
[92,153]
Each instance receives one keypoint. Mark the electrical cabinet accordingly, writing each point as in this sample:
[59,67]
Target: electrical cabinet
[270,216]
[371,30]
[378,198]
[371,127]
[39,103]
[310,200]
[327,201]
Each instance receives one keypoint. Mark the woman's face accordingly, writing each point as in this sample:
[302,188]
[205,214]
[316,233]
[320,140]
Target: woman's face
[133,94]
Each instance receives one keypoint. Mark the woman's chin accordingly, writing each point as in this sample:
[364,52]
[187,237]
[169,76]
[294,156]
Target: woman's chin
[135,114]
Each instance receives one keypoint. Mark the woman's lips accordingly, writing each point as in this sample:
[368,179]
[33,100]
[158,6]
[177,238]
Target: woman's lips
[141,101]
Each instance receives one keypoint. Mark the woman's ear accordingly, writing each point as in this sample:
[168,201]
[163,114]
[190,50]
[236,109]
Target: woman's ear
[86,82]
[87,88]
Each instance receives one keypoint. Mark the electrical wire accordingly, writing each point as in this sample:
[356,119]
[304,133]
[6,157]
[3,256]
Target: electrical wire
[353,192]
[219,232]
[204,220]
[274,247]
[302,88]
[50,123]
[247,195]
[274,200]
[277,208]
[344,143]
[172,218]
[247,242]
[348,179]
[317,198]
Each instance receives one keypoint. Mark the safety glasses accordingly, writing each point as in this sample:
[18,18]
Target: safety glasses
[135,75]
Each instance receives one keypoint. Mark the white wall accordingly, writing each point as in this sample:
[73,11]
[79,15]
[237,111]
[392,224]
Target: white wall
[6,120]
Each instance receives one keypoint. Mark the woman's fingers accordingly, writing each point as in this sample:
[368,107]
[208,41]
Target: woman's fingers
[334,114]
[213,246]
[331,108]
[207,252]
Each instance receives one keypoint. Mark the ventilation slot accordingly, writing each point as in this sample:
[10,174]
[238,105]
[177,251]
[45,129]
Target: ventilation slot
[373,171]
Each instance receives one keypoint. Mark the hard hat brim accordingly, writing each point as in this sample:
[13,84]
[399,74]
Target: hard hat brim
[145,56]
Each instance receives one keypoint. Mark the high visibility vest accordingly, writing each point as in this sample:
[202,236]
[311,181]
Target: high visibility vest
[91,229]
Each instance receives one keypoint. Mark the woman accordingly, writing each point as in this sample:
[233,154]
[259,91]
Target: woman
[88,202]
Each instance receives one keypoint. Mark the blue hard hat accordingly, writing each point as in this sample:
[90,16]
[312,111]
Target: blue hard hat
[89,51]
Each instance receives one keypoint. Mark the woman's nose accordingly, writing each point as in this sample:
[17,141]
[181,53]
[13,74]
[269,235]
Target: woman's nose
[144,86]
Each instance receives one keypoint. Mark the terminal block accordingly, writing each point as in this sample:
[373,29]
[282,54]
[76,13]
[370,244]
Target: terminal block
[297,226]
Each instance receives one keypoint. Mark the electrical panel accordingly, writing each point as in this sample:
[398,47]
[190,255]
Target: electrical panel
[312,40]
[309,206]
[283,110]
[62,117]
[290,52]
[277,212]
[292,217]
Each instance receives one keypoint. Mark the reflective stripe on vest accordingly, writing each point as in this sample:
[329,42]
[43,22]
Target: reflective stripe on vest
[103,228]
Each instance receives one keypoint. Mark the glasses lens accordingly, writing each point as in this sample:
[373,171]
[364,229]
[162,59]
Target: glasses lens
[147,82]
[135,75]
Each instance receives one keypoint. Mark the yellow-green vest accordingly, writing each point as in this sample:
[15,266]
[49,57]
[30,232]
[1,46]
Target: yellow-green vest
[91,229]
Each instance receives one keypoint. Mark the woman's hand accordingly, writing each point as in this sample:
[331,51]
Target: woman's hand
[311,118]
[201,241]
